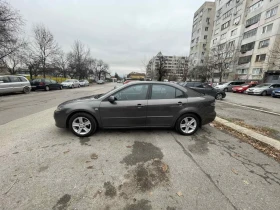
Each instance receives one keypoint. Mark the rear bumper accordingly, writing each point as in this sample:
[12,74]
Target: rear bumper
[60,119]
[208,118]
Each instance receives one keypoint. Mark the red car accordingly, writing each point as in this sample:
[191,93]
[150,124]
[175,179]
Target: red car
[243,88]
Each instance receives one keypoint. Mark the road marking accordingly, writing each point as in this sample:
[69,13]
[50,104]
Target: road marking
[268,112]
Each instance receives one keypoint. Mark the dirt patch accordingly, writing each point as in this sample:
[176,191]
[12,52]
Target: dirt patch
[140,205]
[84,140]
[265,148]
[170,208]
[43,168]
[200,145]
[110,189]
[142,152]
[93,156]
[144,178]
[62,203]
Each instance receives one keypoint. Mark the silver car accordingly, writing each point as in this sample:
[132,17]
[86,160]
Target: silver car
[263,89]
[227,87]
[12,84]
[71,83]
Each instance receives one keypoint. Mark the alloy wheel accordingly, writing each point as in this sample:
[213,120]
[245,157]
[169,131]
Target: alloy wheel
[219,96]
[81,125]
[26,90]
[188,125]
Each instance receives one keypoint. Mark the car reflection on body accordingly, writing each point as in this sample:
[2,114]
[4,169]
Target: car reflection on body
[138,105]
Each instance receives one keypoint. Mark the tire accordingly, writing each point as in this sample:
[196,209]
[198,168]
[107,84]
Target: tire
[182,120]
[72,86]
[60,87]
[264,93]
[79,86]
[47,88]
[82,124]
[219,96]
[26,90]
[226,89]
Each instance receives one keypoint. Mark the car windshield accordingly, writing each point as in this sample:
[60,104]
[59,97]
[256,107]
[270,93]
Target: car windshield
[264,85]
[100,95]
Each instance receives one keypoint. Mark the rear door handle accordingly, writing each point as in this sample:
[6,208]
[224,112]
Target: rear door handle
[180,103]
[140,106]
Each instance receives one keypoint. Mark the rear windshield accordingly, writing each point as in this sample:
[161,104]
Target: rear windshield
[23,79]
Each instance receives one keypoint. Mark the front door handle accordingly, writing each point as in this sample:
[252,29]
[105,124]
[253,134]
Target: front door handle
[140,106]
[180,103]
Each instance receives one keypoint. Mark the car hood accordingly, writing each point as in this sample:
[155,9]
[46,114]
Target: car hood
[67,83]
[258,88]
[277,90]
[78,100]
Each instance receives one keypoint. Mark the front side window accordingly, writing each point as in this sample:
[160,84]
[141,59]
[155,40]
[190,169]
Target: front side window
[53,82]
[23,79]
[135,92]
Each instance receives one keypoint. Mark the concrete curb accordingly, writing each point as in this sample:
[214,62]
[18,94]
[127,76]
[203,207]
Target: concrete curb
[259,137]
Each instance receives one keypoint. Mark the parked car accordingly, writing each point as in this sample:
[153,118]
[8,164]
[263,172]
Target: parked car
[138,105]
[263,89]
[100,81]
[275,93]
[129,80]
[71,83]
[12,84]
[165,80]
[243,88]
[227,87]
[84,83]
[45,84]
[119,81]
[206,89]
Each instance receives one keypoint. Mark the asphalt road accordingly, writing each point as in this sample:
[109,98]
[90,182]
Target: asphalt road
[44,167]
[251,111]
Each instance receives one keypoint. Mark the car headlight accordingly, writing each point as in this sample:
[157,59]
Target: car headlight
[239,88]
[257,91]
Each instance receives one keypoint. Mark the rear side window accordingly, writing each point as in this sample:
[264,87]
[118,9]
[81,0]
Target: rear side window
[37,80]
[53,82]
[4,79]
[163,92]
[179,93]
[23,79]
[15,79]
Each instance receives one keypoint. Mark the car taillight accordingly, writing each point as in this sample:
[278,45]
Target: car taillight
[41,84]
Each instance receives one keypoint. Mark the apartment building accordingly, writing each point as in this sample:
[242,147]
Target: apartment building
[261,35]
[202,29]
[228,32]
[173,65]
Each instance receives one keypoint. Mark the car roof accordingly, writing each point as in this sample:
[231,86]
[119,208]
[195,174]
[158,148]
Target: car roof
[155,82]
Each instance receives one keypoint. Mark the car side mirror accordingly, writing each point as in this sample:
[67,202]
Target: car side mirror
[112,99]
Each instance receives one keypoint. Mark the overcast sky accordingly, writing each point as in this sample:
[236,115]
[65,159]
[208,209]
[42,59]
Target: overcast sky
[123,33]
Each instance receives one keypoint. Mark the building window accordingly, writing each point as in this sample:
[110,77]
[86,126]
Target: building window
[247,47]
[202,53]
[242,71]
[194,25]
[206,28]
[216,31]
[264,43]
[227,14]
[221,46]
[214,41]
[208,20]
[205,36]
[225,25]
[236,20]
[223,36]
[245,59]
[255,6]
[209,9]
[260,58]
[204,45]
[257,71]
[234,32]
[238,8]
[231,44]
[202,61]
[250,33]
[218,21]
[271,12]
[198,30]
[253,20]
[267,28]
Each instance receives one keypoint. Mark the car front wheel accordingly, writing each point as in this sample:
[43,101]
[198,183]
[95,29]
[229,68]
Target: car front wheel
[82,124]
[219,96]
[187,124]
[264,93]
[47,88]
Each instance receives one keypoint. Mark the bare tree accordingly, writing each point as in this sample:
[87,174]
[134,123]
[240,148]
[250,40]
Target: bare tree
[13,61]
[161,66]
[61,62]
[273,61]
[101,69]
[183,67]
[221,58]
[31,61]
[10,28]
[44,46]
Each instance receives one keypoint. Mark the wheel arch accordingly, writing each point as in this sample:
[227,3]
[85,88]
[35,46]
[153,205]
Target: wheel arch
[81,111]
[189,112]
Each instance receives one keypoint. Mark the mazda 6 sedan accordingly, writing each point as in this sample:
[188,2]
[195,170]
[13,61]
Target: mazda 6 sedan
[138,105]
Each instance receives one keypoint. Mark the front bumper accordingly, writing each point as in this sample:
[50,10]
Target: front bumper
[60,119]
[277,94]
[208,118]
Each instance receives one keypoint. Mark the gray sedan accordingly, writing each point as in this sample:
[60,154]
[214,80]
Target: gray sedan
[263,89]
[138,105]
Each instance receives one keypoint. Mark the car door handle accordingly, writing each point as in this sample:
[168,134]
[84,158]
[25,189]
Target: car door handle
[140,106]
[180,103]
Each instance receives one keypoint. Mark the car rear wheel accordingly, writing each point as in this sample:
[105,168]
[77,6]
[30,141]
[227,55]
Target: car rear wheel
[264,93]
[79,86]
[26,90]
[219,96]
[226,89]
[82,124]
[60,87]
[187,124]
[47,88]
